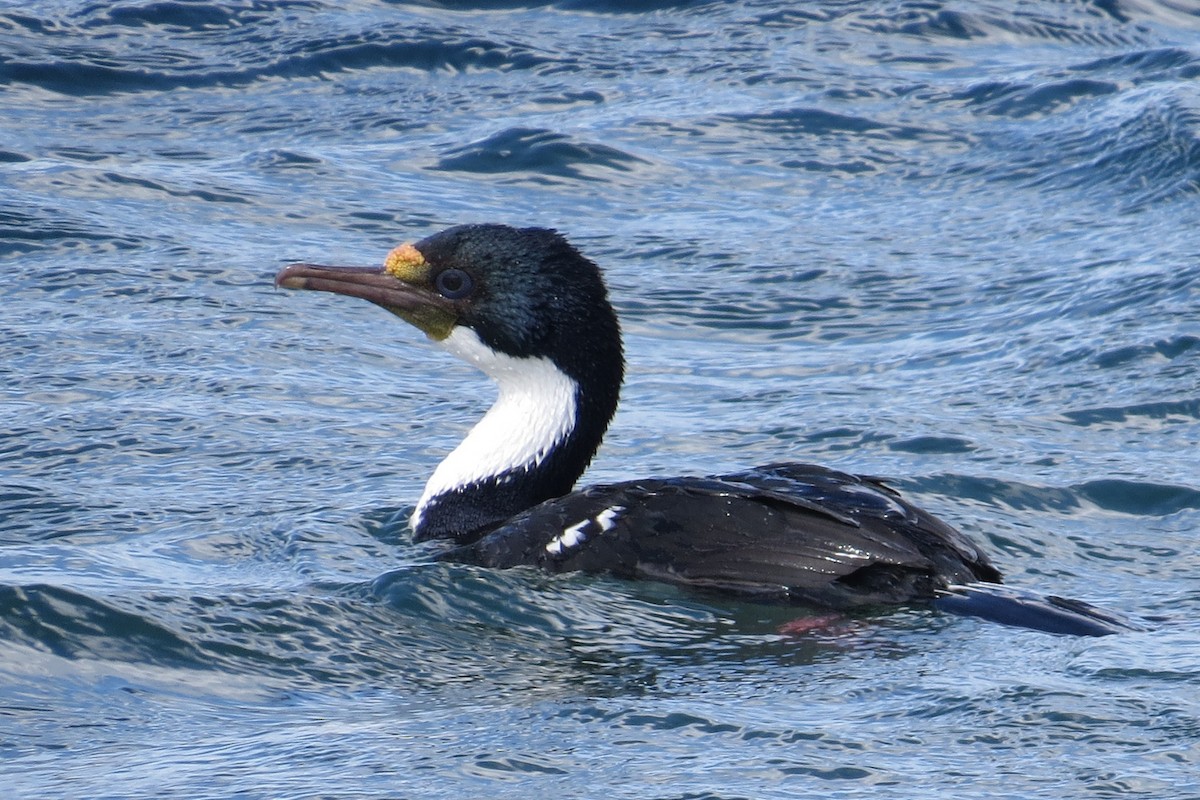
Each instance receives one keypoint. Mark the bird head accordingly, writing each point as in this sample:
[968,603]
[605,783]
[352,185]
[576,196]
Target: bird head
[524,292]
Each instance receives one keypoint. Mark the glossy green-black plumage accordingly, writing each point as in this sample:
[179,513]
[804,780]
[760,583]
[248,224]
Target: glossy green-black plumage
[785,532]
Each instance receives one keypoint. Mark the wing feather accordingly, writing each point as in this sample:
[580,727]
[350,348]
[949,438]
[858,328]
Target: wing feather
[791,532]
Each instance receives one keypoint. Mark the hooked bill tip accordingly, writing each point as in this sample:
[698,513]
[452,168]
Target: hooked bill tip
[288,279]
[300,276]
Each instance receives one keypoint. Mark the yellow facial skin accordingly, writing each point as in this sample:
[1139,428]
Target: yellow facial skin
[405,263]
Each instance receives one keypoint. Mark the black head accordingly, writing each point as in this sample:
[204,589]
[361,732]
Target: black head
[525,292]
[499,297]
[531,294]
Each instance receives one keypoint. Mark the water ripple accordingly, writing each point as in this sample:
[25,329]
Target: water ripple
[73,625]
[98,70]
[1137,498]
[536,153]
[937,239]
[1159,411]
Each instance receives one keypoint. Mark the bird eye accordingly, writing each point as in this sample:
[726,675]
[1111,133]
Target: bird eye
[453,284]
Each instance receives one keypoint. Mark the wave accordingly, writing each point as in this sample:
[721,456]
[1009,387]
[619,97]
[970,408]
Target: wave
[940,22]
[91,65]
[537,153]
[1135,498]
[1122,123]
[1111,415]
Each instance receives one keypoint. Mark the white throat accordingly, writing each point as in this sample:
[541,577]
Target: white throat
[534,411]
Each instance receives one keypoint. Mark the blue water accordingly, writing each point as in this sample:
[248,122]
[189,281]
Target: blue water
[953,243]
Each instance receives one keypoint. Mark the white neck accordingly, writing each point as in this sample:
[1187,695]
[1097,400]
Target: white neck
[534,411]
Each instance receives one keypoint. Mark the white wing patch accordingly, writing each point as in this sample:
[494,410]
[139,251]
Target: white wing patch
[577,534]
[569,538]
[607,519]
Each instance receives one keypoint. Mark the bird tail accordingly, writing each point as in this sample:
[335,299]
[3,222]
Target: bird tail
[1021,608]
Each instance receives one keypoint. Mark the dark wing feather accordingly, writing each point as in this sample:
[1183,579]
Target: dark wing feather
[789,532]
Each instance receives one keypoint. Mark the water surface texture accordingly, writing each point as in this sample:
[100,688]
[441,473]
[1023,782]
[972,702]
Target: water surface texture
[955,243]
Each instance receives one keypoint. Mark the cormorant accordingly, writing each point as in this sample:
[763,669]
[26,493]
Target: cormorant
[525,307]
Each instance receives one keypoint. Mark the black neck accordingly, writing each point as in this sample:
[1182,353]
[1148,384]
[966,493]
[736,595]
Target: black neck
[466,513]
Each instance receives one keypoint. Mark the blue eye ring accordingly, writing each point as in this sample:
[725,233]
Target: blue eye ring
[453,283]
